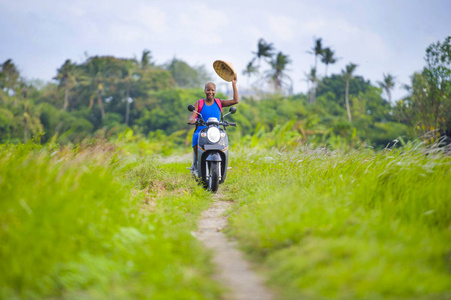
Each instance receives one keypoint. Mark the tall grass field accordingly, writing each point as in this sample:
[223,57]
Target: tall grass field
[95,222]
[91,223]
[357,225]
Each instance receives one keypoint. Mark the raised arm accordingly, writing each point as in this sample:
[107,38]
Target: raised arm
[235,100]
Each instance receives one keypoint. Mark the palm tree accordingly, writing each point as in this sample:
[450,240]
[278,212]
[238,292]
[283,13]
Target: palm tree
[317,50]
[26,117]
[264,49]
[30,118]
[387,85]
[129,71]
[327,57]
[146,59]
[311,77]
[347,74]
[9,75]
[250,69]
[278,72]
[66,77]
[94,78]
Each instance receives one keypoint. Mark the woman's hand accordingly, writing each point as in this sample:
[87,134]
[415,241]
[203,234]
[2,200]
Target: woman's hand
[193,117]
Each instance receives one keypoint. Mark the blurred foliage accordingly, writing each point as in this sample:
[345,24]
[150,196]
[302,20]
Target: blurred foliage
[104,95]
[427,108]
[186,76]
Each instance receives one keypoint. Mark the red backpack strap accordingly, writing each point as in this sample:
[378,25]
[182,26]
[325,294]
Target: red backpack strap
[219,103]
[201,105]
[202,101]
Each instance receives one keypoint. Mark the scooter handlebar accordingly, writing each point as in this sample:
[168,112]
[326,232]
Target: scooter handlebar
[221,123]
[200,123]
[227,124]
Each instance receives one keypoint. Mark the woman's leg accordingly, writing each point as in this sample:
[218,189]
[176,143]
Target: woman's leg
[195,158]
[195,139]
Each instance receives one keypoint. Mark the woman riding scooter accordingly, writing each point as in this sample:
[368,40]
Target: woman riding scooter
[210,107]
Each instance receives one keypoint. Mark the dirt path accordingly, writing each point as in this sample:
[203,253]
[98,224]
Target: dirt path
[234,272]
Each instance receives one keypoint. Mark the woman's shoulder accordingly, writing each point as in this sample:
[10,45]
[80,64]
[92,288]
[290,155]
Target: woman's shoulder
[198,102]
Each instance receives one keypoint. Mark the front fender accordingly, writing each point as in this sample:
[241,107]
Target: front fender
[213,156]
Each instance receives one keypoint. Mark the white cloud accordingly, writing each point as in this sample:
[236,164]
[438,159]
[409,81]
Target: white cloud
[282,26]
[200,32]
[123,33]
[253,33]
[349,41]
[152,18]
[313,26]
[202,24]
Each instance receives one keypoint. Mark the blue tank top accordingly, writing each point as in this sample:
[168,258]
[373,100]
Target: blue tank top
[212,111]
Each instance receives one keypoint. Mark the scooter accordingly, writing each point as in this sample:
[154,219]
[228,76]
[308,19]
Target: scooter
[212,151]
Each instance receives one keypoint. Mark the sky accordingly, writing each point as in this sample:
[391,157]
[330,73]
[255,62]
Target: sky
[380,36]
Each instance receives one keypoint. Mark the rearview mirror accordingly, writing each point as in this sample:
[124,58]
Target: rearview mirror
[232,110]
[191,107]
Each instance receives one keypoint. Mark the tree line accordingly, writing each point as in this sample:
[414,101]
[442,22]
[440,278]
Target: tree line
[426,109]
[103,95]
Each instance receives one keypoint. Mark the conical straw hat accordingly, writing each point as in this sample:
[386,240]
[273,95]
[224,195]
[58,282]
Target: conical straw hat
[224,70]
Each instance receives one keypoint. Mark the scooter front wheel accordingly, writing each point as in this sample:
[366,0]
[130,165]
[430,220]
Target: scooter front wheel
[213,181]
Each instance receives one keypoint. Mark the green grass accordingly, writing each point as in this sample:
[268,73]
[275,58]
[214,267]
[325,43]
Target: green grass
[357,225]
[91,223]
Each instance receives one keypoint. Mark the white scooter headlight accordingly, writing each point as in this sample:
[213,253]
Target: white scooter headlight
[213,135]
